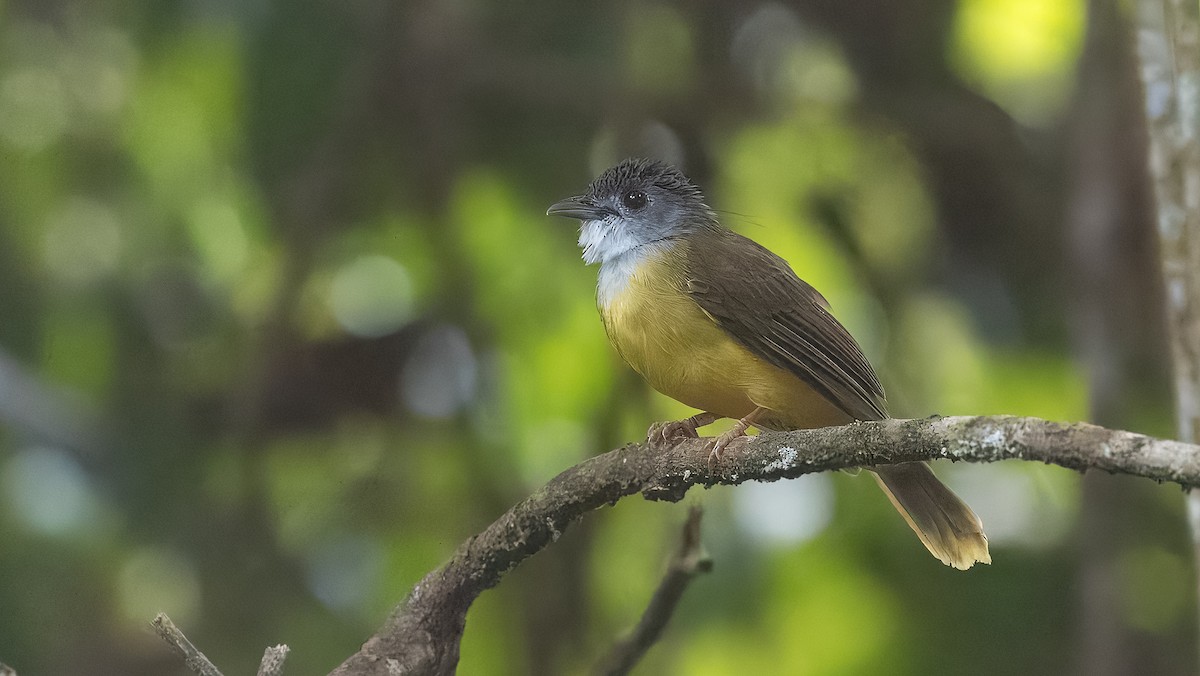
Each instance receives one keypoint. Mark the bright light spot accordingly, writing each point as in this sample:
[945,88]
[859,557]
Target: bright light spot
[1013,508]
[33,108]
[1020,38]
[48,491]
[156,579]
[345,571]
[439,378]
[782,58]
[1022,52]
[82,242]
[655,139]
[216,228]
[99,73]
[550,446]
[660,141]
[785,512]
[762,40]
[371,296]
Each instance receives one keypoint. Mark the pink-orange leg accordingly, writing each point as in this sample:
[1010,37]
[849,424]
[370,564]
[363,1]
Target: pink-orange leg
[738,430]
[680,429]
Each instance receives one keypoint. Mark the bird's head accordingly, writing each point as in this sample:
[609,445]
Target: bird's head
[634,203]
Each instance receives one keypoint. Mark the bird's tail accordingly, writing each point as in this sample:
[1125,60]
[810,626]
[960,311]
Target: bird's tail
[945,524]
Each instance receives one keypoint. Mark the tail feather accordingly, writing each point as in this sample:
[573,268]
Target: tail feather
[946,525]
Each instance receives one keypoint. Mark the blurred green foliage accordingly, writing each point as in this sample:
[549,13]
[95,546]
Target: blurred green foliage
[282,322]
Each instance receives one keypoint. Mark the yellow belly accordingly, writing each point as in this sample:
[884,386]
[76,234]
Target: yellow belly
[684,354]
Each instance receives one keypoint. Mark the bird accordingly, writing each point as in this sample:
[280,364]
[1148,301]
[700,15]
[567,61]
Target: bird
[718,322]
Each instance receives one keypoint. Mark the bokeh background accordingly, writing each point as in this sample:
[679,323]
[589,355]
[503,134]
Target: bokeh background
[282,322]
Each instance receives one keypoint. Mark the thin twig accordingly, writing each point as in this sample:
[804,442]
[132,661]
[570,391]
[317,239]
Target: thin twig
[272,660]
[193,658]
[689,560]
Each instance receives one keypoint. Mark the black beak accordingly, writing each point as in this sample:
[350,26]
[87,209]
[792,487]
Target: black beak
[578,207]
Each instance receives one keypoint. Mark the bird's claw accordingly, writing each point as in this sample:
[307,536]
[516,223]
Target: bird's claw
[714,455]
[737,431]
[722,442]
[671,430]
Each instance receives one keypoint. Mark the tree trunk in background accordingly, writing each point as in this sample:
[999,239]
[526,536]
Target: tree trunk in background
[1113,269]
[1168,36]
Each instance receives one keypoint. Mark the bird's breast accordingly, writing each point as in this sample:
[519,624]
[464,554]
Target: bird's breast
[665,336]
[661,332]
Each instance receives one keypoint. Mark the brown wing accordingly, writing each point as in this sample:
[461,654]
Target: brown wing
[755,296]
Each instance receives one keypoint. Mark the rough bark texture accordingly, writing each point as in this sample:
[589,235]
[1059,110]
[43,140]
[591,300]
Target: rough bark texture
[272,660]
[1169,47]
[422,635]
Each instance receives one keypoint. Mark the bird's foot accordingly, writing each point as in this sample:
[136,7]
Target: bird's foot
[679,429]
[722,441]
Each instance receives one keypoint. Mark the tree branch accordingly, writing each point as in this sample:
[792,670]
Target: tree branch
[689,561]
[193,658]
[272,660]
[423,633]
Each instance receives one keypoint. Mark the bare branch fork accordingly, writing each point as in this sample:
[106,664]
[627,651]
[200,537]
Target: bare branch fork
[271,665]
[423,633]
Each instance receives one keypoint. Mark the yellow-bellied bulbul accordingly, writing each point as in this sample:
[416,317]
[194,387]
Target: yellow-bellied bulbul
[718,322]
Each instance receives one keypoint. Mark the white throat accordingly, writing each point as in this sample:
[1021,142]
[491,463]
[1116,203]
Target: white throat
[604,240]
[608,242]
[617,271]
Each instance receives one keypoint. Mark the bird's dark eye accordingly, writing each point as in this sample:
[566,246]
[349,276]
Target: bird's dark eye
[634,199]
